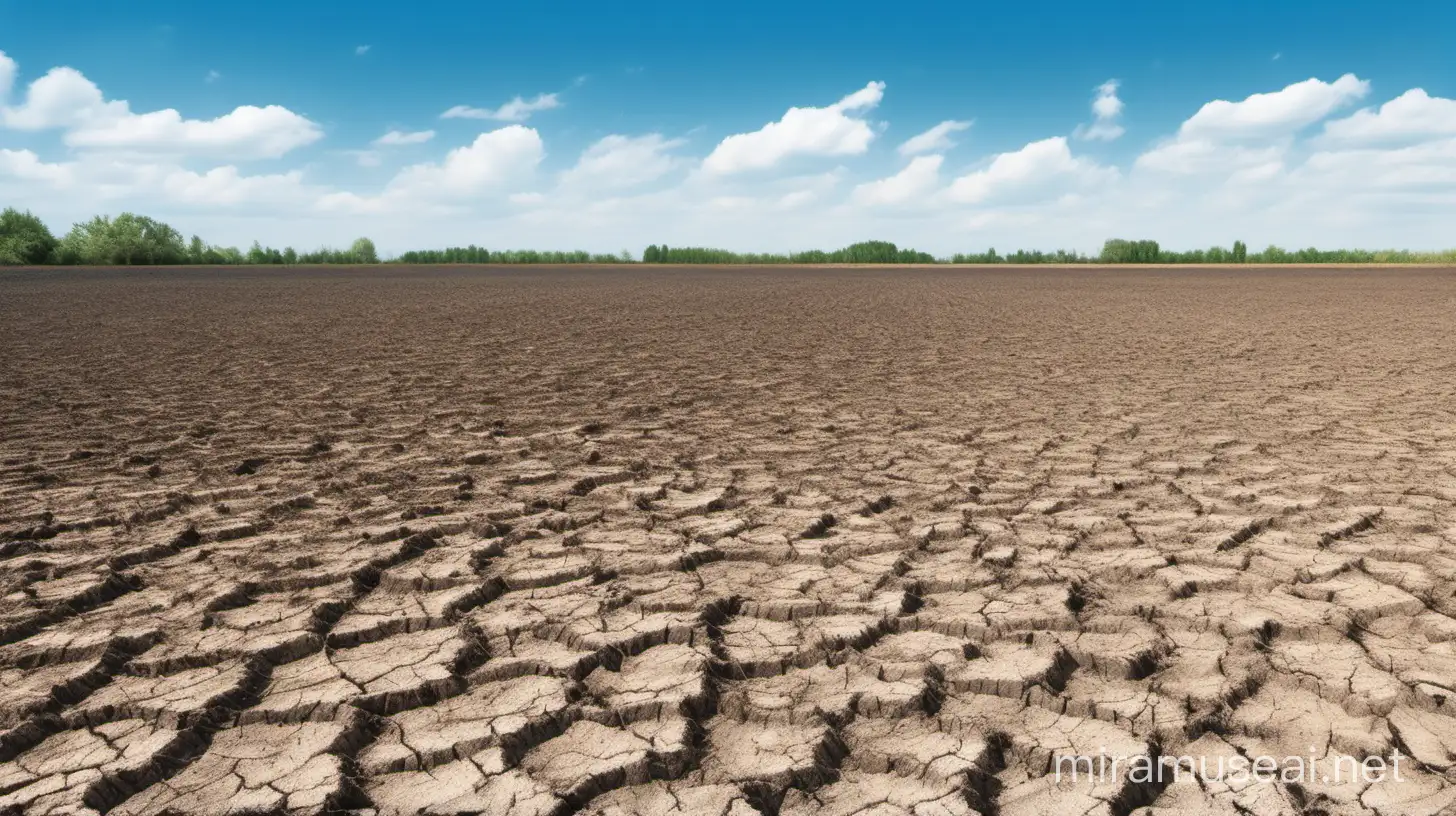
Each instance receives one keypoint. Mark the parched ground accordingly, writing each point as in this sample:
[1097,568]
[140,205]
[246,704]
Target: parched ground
[729,542]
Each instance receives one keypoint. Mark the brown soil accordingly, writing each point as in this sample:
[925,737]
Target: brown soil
[700,541]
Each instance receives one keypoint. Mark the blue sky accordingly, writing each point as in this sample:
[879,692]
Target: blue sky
[654,122]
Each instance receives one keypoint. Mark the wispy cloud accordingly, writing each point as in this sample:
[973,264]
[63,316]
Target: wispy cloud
[400,137]
[935,140]
[361,50]
[365,158]
[212,76]
[516,110]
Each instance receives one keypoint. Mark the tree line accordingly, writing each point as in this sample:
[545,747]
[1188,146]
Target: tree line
[865,252]
[1118,251]
[480,255]
[129,239]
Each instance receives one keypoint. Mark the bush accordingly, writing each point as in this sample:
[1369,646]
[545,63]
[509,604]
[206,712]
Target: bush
[1119,251]
[24,239]
[128,239]
[363,252]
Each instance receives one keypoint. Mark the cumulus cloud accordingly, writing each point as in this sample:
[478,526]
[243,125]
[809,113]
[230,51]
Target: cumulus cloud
[1274,114]
[485,169]
[516,110]
[7,75]
[1428,165]
[1038,170]
[226,186]
[400,137]
[247,132]
[65,99]
[917,180]
[1106,109]
[935,140]
[492,160]
[623,161]
[99,176]
[1188,157]
[25,165]
[829,131]
[1411,116]
[1252,140]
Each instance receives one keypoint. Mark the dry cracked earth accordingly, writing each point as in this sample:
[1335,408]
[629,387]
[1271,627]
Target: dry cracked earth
[729,542]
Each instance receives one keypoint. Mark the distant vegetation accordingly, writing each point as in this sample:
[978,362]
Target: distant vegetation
[866,252]
[479,255]
[131,239]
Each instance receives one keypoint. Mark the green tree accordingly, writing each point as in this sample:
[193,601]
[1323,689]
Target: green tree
[24,239]
[362,252]
[290,255]
[1273,254]
[257,255]
[1241,252]
[230,256]
[125,240]
[1120,251]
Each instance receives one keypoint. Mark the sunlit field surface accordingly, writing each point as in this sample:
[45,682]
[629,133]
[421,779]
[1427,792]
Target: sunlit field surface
[657,540]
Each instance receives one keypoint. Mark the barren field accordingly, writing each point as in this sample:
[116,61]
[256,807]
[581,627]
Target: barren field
[730,542]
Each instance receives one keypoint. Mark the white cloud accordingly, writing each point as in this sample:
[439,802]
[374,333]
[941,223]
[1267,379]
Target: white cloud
[493,160]
[623,161]
[25,165]
[247,132]
[1204,156]
[225,186]
[935,140]
[1250,141]
[110,178]
[1037,170]
[400,137]
[827,131]
[361,50]
[1106,108]
[1411,116]
[344,202]
[64,98]
[486,169]
[212,76]
[1429,165]
[516,110]
[1106,105]
[1282,112]
[916,181]
[7,76]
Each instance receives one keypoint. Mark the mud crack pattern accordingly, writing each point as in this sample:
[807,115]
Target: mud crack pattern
[734,542]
